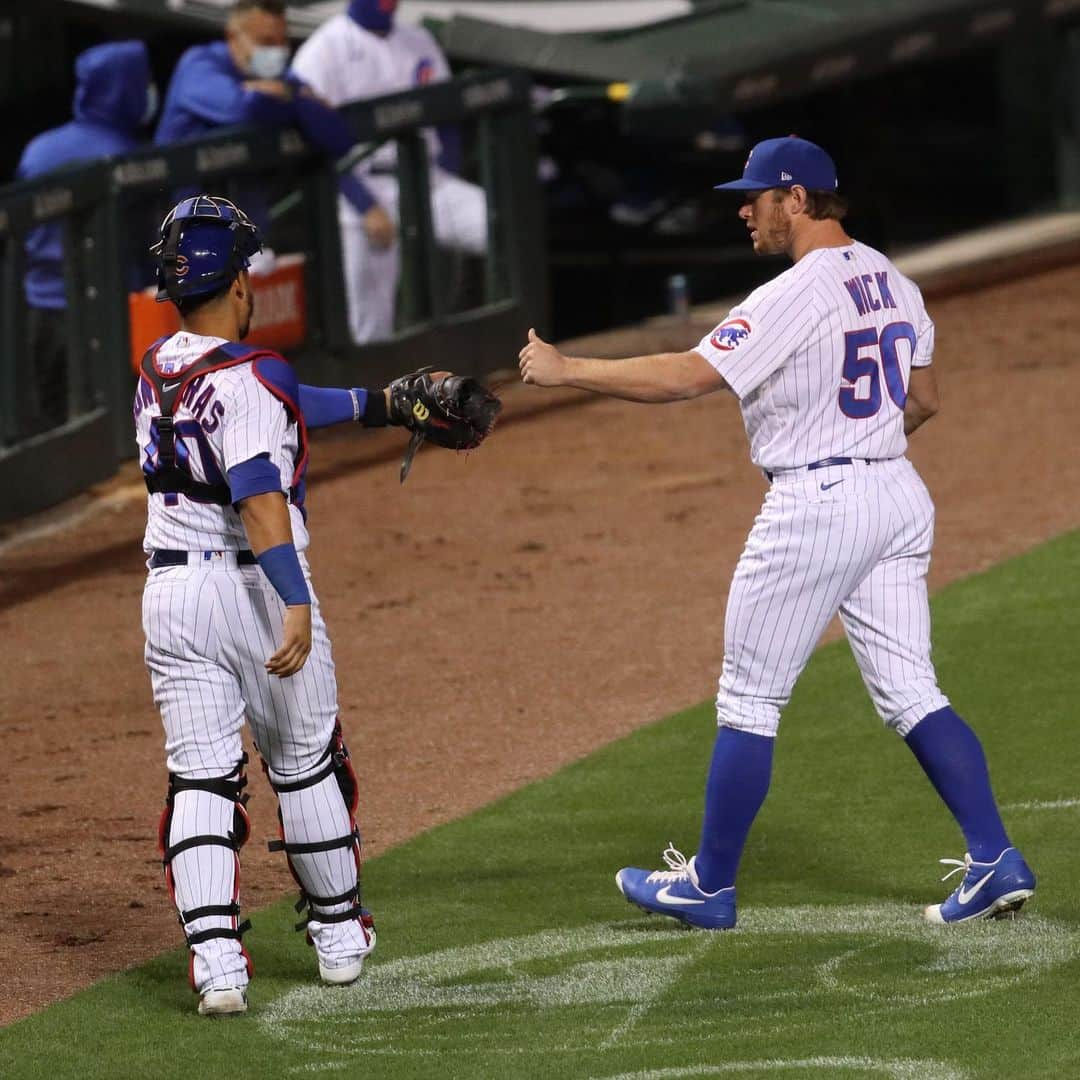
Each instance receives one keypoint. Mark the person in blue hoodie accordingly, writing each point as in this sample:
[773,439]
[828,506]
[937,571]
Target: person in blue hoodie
[244,80]
[114,98]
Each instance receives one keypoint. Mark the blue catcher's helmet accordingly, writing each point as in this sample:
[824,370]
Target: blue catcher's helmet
[205,242]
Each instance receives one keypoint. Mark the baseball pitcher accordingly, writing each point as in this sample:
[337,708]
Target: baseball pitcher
[831,363]
[232,622]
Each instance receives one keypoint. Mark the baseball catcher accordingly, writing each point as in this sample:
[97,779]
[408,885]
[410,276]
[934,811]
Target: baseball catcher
[233,627]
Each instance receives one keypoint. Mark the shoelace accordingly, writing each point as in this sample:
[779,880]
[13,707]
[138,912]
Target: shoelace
[678,863]
[957,865]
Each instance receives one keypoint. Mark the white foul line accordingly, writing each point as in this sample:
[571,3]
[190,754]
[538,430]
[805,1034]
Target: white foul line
[1055,804]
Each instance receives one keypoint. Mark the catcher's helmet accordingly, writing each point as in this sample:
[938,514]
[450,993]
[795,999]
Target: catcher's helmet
[205,242]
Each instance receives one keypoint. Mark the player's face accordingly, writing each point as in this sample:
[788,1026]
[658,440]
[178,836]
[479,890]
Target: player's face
[767,217]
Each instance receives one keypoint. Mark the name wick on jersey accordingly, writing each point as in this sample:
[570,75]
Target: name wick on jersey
[861,290]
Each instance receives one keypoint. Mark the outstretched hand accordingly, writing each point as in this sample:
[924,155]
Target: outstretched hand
[542,364]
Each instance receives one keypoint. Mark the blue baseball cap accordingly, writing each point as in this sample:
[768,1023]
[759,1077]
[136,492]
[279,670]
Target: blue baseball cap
[779,163]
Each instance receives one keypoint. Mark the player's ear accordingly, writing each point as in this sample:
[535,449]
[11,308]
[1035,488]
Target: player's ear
[797,195]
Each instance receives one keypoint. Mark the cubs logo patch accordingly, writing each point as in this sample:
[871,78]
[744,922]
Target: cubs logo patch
[729,335]
[181,266]
[425,72]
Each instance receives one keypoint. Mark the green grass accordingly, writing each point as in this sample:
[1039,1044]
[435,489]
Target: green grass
[505,950]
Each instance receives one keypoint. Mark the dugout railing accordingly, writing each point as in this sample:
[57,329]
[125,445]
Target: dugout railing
[465,313]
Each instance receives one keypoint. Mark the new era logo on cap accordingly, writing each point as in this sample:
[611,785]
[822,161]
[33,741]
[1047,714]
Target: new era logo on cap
[783,163]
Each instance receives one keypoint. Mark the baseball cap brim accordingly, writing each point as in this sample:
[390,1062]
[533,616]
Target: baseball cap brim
[747,184]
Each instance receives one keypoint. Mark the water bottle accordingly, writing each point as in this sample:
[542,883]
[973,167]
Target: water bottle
[679,296]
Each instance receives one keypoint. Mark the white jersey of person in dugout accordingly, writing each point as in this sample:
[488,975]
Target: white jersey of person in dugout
[820,359]
[343,61]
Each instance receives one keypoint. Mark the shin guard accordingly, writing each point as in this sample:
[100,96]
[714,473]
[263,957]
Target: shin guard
[203,826]
[321,841]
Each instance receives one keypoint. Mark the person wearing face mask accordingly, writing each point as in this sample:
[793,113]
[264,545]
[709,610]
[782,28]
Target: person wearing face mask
[236,81]
[364,53]
[114,99]
[244,80]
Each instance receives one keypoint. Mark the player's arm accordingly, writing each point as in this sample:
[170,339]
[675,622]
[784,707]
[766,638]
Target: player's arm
[257,418]
[269,531]
[206,91]
[325,406]
[657,378]
[922,398]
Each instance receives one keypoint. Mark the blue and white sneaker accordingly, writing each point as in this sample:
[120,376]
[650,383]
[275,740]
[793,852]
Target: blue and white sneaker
[676,892]
[991,890]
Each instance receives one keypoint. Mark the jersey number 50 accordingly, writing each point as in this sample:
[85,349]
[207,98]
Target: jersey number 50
[886,358]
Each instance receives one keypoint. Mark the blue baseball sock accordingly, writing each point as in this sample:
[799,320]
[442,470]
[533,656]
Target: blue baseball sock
[738,782]
[952,757]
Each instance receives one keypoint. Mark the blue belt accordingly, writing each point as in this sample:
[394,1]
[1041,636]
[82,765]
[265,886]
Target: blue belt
[824,463]
[181,558]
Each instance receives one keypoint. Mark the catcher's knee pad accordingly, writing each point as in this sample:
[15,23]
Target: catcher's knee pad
[302,855]
[231,788]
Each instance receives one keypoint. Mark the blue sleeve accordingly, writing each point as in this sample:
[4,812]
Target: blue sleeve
[320,406]
[322,126]
[324,406]
[256,476]
[450,154]
[357,192]
[267,110]
[204,89]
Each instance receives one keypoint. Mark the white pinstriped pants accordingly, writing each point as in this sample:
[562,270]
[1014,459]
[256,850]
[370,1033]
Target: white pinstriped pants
[210,628]
[459,218]
[853,539]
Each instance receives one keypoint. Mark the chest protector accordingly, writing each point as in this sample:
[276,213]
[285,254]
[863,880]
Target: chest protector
[169,477]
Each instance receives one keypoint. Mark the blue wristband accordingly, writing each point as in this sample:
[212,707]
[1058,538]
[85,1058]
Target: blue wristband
[281,565]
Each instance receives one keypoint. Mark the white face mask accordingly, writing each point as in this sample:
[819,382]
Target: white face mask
[151,104]
[268,61]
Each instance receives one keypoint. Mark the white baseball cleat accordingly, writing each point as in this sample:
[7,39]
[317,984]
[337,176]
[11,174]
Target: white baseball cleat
[228,1002]
[340,971]
[341,974]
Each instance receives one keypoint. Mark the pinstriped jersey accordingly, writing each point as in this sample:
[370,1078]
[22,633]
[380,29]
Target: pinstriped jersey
[223,419]
[820,358]
[342,62]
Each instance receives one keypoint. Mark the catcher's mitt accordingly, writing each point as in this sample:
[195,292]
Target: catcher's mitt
[455,411]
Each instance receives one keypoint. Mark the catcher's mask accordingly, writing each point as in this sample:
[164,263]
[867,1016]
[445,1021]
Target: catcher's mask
[205,242]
